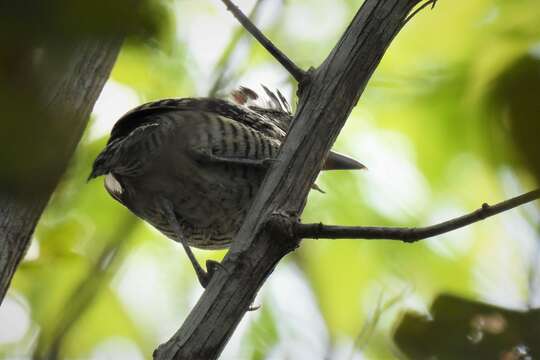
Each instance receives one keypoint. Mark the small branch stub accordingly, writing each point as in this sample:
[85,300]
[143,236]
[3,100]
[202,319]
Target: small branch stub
[282,227]
[420,8]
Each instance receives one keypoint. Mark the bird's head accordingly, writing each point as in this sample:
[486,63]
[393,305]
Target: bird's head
[99,167]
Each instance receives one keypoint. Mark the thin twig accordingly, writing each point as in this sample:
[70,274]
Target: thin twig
[225,58]
[287,63]
[420,8]
[320,231]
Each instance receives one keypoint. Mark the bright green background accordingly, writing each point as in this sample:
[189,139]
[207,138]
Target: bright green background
[448,121]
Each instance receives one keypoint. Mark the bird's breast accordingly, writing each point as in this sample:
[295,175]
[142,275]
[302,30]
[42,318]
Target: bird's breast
[113,186]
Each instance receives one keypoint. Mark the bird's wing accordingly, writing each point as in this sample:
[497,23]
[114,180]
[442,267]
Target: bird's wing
[273,107]
[130,154]
[223,140]
[142,114]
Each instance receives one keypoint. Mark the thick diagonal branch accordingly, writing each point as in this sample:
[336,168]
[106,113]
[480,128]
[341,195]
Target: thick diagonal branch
[287,63]
[320,231]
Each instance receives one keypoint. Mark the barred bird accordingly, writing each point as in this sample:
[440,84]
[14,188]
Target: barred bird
[191,167]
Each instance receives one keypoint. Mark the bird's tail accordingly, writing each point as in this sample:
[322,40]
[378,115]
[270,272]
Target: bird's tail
[337,161]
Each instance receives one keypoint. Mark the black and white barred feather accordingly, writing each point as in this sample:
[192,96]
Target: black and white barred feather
[206,156]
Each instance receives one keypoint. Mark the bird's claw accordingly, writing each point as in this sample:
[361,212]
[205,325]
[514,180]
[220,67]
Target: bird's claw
[266,163]
[211,267]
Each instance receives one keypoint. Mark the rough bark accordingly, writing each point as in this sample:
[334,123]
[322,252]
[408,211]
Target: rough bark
[68,80]
[326,100]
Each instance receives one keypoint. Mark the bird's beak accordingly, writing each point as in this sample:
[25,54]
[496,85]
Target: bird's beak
[337,161]
[94,174]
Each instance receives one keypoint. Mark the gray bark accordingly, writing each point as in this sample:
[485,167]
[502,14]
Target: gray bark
[40,134]
[266,236]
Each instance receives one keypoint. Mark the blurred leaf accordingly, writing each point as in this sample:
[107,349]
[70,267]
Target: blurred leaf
[515,98]
[75,19]
[263,334]
[106,318]
[465,329]
[57,239]
[47,283]
[155,73]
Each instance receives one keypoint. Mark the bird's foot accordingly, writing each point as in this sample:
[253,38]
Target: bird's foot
[211,267]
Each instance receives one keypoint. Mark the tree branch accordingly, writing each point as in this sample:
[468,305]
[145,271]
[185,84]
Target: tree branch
[287,63]
[42,129]
[409,235]
[324,105]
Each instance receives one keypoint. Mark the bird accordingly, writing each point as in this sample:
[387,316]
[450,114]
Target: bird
[191,167]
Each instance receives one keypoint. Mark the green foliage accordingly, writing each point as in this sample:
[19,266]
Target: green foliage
[449,121]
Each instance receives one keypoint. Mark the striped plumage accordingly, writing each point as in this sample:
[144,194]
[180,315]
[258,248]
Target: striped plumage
[205,157]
